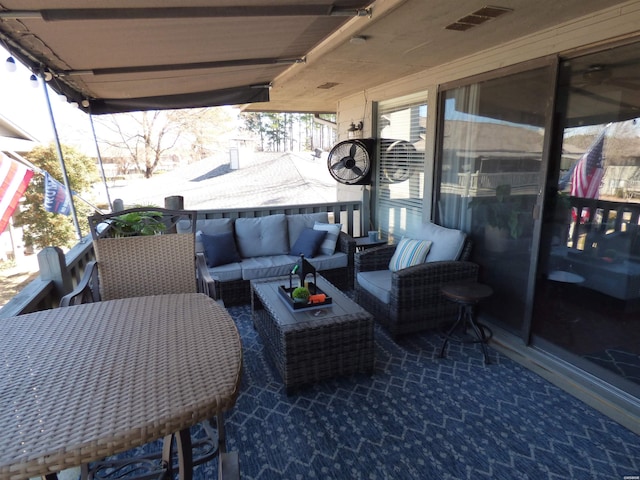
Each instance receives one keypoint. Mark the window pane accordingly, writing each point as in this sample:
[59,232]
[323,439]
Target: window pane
[588,298]
[492,147]
[400,175]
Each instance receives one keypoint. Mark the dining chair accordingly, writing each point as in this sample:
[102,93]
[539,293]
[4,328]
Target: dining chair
[131,264]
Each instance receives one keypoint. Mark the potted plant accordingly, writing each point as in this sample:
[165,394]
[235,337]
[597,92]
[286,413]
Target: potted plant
[300,295]
[137,223]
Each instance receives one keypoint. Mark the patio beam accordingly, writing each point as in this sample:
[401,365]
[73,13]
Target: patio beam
[238,11]
[182,66]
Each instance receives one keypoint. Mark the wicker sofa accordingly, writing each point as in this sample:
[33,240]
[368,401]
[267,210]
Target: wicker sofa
[409,300]
[264,249]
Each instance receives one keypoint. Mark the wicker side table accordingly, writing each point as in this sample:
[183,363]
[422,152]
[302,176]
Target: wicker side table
[311,345]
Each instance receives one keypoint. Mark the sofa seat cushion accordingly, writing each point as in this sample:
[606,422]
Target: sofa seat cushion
[226,273]
[298,222]
[329,262]
[267,266]
[377,283]
[447,243]
[262,236]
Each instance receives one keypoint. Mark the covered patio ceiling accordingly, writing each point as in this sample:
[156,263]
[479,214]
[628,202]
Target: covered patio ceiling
[271,55]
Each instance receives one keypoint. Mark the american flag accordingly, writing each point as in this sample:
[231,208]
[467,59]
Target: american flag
[588,172]
[14,179]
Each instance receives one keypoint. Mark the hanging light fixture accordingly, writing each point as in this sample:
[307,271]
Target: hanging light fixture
[33,80]
[10,64]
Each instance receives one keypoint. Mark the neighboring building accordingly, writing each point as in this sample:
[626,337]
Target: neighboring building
[13,139]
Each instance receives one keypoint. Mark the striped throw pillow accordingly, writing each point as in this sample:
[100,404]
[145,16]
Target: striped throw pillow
[328,246]
[408,253]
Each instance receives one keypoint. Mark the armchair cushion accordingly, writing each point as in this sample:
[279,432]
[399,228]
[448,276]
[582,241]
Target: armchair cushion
[448,243]
[409,252]
[308,243]
[377,283]
[328,246]
[219,249]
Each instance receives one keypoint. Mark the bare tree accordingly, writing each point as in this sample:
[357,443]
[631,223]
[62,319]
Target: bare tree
[149,137]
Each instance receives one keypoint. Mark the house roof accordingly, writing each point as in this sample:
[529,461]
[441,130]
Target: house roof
[284,55]
[13,138]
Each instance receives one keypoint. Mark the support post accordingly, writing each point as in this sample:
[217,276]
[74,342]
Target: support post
[118,205]
[63,167]
[53,267]
[175,202]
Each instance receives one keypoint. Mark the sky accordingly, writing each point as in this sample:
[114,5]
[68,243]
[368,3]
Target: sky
[26,107]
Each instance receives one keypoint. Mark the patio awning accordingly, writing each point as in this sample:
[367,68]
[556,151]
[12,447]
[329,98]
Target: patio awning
[118,56]
[280,55]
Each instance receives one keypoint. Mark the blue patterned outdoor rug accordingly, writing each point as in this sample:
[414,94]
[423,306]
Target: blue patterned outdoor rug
[419,417]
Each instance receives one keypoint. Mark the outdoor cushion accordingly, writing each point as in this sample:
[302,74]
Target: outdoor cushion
[447,243]
[227,272]
[298,222]
[328,246]
[212,226]
[409,252]
[377,283]
[308,243]
[270,266]
[219,249]
[261,236]
[329,262]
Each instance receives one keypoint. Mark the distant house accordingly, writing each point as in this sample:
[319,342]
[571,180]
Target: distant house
[13,139]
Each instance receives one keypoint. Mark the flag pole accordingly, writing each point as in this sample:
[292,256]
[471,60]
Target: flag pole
[104,178]
[62,165]
[40,171]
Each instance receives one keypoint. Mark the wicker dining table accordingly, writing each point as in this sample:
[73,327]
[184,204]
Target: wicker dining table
[81,383]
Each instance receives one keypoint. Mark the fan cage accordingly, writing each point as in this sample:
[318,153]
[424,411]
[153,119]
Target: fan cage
[349,161]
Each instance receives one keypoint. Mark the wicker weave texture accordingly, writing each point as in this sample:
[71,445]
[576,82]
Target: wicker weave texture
[416,301]
[306,352]
[238,292]
[146,265]
[84,382]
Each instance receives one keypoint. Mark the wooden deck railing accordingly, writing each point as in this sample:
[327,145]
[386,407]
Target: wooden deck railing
[599,217]
[59,273]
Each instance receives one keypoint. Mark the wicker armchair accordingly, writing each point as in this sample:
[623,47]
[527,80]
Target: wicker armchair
[415,302]
[134,266]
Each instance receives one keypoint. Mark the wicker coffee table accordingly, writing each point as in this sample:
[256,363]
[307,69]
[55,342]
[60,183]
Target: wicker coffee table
[315,344]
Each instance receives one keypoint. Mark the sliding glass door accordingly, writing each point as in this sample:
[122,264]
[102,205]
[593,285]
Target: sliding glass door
[492,148]
[587,301]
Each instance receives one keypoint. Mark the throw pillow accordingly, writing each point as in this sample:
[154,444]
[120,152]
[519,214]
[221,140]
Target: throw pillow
[408,253]
[328,246]
[219,249]
[308,242]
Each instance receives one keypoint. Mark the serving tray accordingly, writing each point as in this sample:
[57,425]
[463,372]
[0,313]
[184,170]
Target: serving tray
[285,294]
